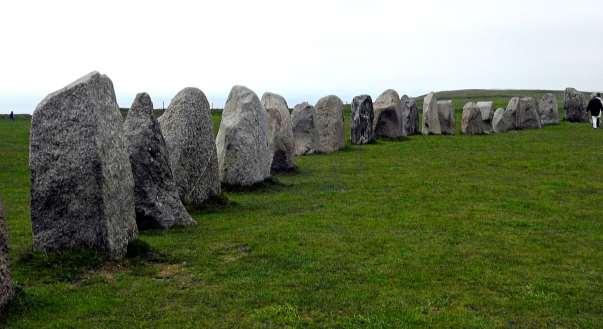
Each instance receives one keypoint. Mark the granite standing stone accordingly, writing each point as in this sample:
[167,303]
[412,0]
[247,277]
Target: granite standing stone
[575,106]
[487,112]
[410,116]
[304,132]
[431,117]
[244,150]
[82,190]
[362,120]
[388,115]
[187,128]
[548,110]
[472,121]
[328,121]
[526,113]
[6,287]
[446,116]
[156,198]
[280,132]
[503,121]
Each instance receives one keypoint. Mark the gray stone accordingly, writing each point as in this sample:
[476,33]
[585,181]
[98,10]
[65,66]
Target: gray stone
[472,122]
[503,121]
[187,129]
[487,111]
[362,120]
[244,150]
[388,115]
[548,110]
[82,190]
[575,106]
[431,117]
[280,132]
[6,286]
[304,132]
[526,113]
[328,121]
[446,116]
[410,116]
[156,198]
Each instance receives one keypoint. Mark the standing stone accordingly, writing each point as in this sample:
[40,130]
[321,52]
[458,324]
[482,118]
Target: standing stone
[187,129]
[304,132]
[472,121]
[6,287]
[431,117]
[548,110]
[244,151]
[575,106]
[156,198]
[487,111]
[328,121]
[82,190]
[410,116]
[388,115]
[446,115]
[362,120]
[526,113]
[280,132]
[503,121]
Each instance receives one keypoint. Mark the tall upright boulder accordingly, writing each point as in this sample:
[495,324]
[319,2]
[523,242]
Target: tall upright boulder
[575,106]
[280,132]
[244,150]
[388,115]
[548,110]
[431,116]
[362,120]
[410,116]
[526,112]
[487,112]
[328,121]
[82,190]
[6,287]
[156,198]
[472,122]
[187,129]
[503,121]
[446,117]
[304,132]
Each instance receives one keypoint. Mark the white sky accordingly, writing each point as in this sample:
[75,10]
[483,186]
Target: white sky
[300,49]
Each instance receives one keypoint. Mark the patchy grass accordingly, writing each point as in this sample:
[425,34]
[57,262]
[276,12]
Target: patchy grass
[499,231]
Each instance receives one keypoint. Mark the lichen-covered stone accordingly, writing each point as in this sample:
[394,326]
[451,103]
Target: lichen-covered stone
[187,128]
[575,106]
[156,198]
[525,110]
[82,190]
[304,132]
[548,110]
[410,116]
[388,115]
[472,122]
[362,120]
[431,116]
[328,122]
[446,117]
[280,132]
[502,121]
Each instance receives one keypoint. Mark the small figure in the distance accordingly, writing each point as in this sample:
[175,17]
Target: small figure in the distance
[11,116]
[595,106]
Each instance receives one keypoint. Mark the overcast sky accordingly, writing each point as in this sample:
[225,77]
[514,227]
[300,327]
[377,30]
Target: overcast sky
[300,49]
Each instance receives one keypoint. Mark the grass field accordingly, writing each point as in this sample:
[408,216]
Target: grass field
[498,231]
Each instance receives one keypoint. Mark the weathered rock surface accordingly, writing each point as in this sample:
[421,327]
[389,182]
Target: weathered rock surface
[328,122]
[487,111]
[526,113]
[503,121]
[410,116]
[431,117]
[156,198]
[548,110]
[362,120]
[575,106]
[472,122]
[388,115]
[446,116]
[187,129]
[244,150]
[82,190]
[304,132]
[6,287]
[280,132]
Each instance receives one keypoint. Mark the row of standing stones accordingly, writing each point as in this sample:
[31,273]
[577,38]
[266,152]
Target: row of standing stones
[96,180]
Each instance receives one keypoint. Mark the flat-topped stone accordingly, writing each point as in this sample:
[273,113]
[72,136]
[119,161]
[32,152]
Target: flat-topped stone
[548,110]
[388,115]
[431,116]
[410,116]
[328,122]
[575,106]
[304,132]
[446,117]
[362,120]
[472,122]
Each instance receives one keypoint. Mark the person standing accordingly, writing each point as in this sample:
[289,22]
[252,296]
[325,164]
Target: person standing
[11,116]
[595,106]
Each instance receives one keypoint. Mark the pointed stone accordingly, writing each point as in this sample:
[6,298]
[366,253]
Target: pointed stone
[431,117]
[280,132]
[328,121]
[362,120]
[82,190]
[156,197]
[388,115]
[304,132]
[244,150]
[187,129]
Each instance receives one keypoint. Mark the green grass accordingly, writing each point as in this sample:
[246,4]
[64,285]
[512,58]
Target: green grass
[498,231]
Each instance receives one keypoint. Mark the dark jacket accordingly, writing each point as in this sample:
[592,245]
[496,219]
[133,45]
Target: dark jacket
[595,106]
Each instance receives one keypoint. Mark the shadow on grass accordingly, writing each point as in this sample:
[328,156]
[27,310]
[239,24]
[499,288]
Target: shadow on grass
[214,204]
[269,185]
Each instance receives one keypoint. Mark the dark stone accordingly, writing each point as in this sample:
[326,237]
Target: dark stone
[362,120]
